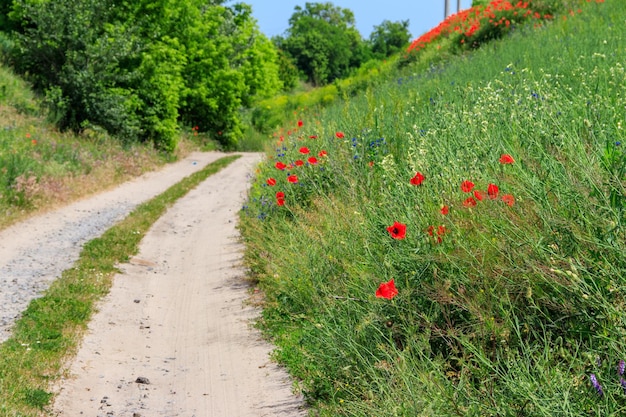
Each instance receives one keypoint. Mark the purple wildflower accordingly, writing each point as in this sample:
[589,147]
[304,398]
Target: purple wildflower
[620,367]
[596,384]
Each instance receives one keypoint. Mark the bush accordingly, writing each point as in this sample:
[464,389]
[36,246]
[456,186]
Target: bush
[137,69]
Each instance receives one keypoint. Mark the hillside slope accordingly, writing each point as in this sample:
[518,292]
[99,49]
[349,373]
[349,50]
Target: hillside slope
[452,242]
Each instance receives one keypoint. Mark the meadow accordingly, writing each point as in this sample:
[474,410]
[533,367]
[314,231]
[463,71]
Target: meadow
[452,242]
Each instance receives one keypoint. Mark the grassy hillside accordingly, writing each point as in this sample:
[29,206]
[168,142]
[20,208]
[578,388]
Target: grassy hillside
[41,167]
[453,242]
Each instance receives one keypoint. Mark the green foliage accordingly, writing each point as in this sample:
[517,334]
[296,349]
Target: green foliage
[37,398]
[389,38]
[323,42]
[505,307]
[137,69]
[287,71]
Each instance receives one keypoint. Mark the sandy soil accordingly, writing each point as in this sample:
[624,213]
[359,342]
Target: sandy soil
[173,337]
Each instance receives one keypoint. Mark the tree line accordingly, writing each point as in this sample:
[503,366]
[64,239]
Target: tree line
[139,69]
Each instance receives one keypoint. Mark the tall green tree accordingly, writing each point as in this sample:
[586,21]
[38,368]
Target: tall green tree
[323,42]
[389,38]
[139,67]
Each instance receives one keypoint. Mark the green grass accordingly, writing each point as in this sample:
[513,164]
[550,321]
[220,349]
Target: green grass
[516,306]
[41,167]
[49,331]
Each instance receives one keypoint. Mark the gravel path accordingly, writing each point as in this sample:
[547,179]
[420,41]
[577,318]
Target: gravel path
[173,336]
[35,252]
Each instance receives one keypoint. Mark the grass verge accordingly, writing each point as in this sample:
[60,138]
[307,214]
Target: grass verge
[49,331]
[453,243]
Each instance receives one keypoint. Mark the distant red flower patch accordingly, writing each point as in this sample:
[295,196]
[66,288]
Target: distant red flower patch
[292,179]
[313,137]
[280,201]
[299,163]
[445,210]
[271,182]
[469,202]
[467,186]
[304,150]
[280,195]
[340,135]
[322,153]
[312,160]
[387,290]
[493,191]
[397,230]
[300,123]
[280,165]
[479,195]
[506,159]
[417,179]
[508,199]
[437,233]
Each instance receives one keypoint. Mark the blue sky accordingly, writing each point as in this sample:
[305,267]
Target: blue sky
[273,15]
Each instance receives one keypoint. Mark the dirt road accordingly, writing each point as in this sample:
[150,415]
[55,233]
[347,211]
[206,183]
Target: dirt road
[173,337]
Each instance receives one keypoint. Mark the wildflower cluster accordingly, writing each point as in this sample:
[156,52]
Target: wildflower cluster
[595,384]
[398,230]
[474,26]
[295,153]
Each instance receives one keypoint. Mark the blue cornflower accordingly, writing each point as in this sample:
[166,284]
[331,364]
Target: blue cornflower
[596,385]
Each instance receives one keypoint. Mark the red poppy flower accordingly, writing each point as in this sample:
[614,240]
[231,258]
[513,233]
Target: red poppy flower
[445,210]
[280,201]
[441,230]
[300,123]
[466,186]
[313,137]
[299,163]
[506,159]
[280,195]
[292,179]
[417,179]
[387,290]
[479,195]
[312,160]
[280,165]
[322,153]
[339,135]
[469,202]
[508,199]
[304,150]
[493,191]
[271,182]
[397,230]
